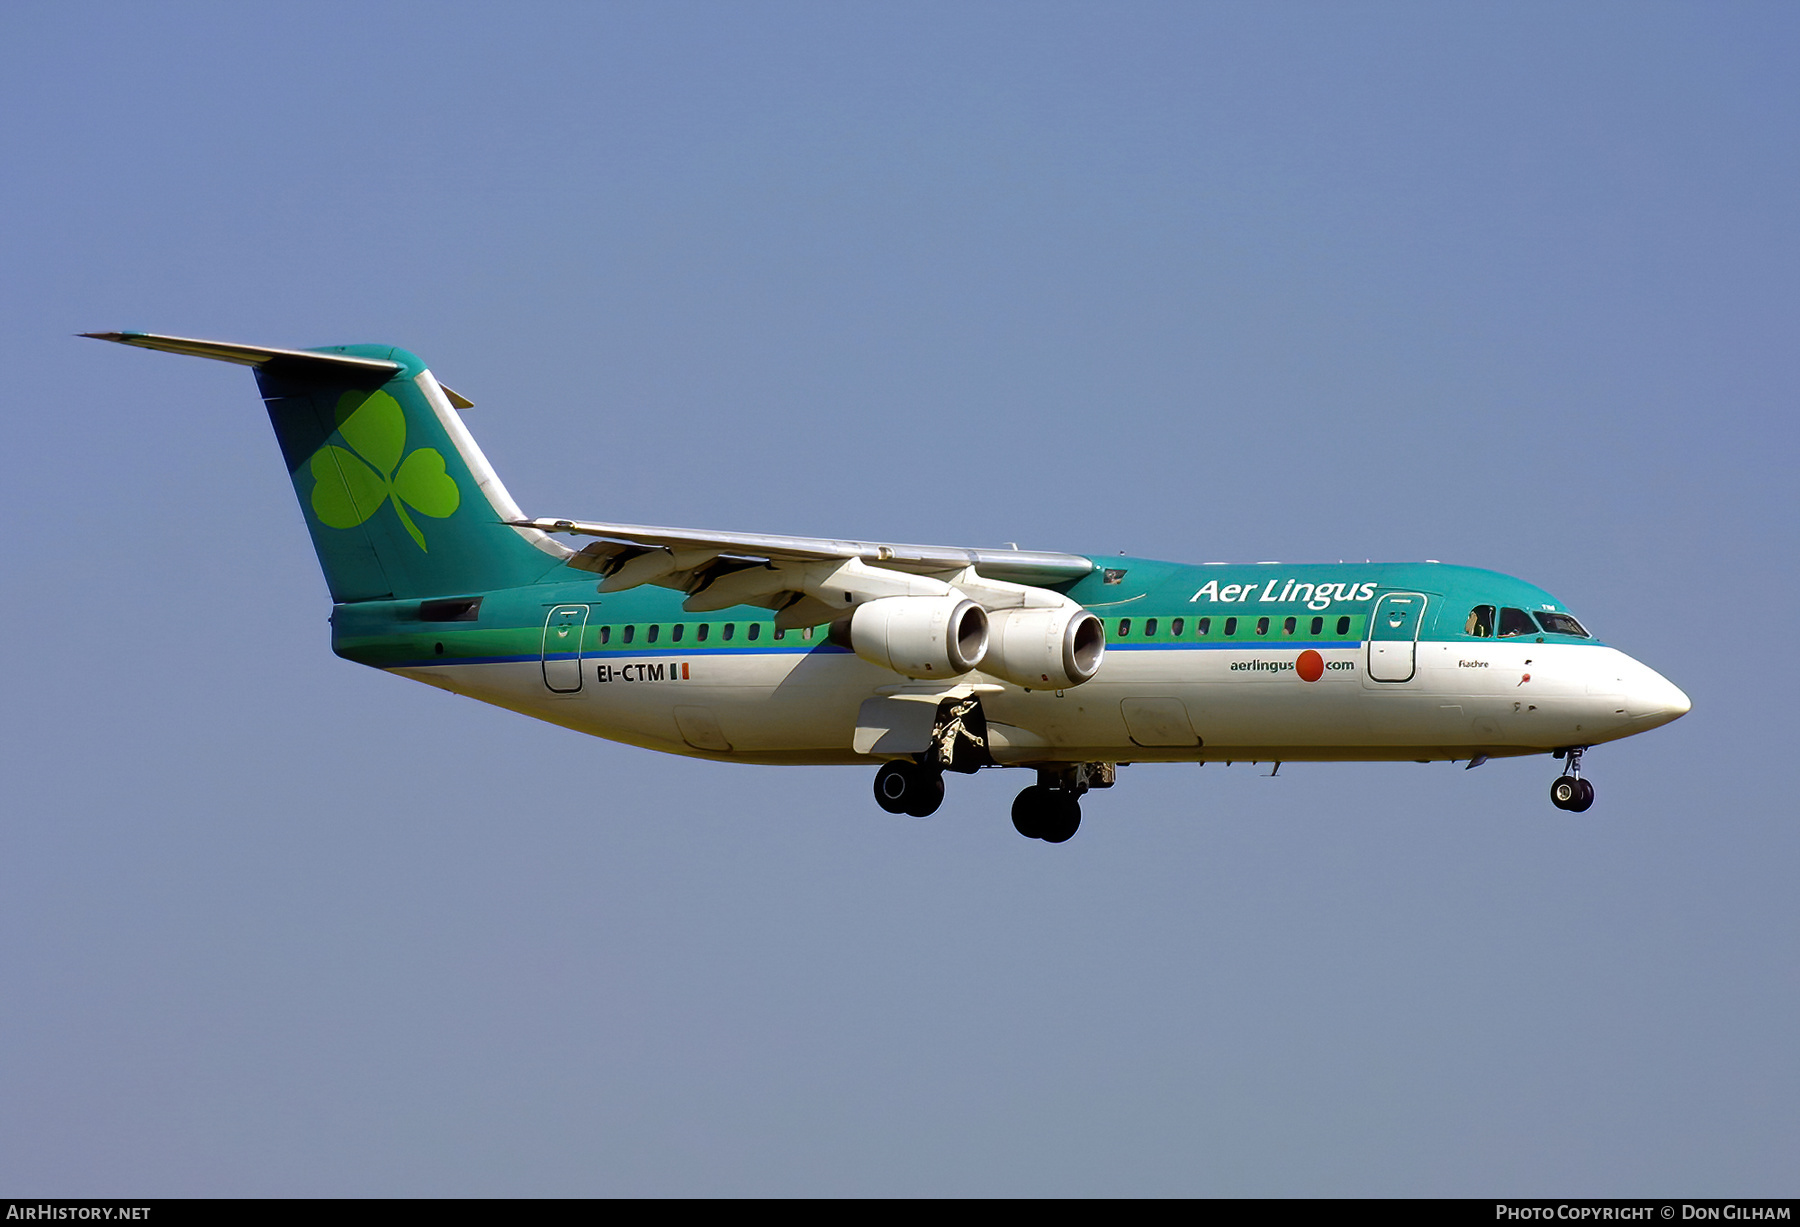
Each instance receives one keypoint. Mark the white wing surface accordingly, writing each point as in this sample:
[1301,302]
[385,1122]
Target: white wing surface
[808,579]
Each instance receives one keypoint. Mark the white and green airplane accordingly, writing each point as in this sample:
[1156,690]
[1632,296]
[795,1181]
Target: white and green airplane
[914,659]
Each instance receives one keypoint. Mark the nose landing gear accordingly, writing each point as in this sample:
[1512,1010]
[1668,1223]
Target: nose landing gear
[1569,791]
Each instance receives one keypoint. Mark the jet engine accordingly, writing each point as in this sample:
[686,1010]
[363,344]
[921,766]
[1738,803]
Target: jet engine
[1045,649]
[920,636]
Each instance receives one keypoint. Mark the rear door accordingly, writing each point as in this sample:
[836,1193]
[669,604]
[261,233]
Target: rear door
[563,630]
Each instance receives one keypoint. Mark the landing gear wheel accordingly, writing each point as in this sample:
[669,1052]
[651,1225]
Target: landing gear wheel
[1050,814]
[1028,812]
[928,795]
[1584,797]
[908,788]
[892,784]
[1062,818]
[1568,790]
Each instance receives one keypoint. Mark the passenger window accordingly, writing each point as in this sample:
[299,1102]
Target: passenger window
[1318,626]
[675,634]
[1481,622]
[630,633]
[754,631]
[1124,627]
[729,631]
[1149,628]
[1289,626]
[1516,622]
[1344,625]
[780,634]
[1262,626]
[1561,624]
[606,634]
[1231,626]
[1203,627]
[1175,627]
[700,631]
[651,637]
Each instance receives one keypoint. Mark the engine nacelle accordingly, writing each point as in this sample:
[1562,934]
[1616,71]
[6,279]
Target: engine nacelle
[920,636]
[1045,649]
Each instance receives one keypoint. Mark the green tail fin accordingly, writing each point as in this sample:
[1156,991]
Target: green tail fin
[399,499]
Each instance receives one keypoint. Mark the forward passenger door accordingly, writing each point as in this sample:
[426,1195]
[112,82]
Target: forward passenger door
[1394,636]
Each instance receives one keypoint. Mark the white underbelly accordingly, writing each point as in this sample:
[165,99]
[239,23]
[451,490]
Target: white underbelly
[1144,704]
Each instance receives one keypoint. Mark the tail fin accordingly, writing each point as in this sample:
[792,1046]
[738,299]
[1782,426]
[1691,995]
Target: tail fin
[399,499]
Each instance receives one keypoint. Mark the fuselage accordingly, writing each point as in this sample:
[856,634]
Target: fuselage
[1265,661]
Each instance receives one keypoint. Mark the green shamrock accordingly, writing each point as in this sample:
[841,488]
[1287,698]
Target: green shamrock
[346,491]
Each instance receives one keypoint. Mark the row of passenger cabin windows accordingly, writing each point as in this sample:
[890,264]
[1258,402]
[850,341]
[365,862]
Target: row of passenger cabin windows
[702,632]
[1514,622]
[1205,627]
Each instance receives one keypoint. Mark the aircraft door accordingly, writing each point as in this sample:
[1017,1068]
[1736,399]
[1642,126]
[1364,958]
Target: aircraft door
[1394,636]
[563,630]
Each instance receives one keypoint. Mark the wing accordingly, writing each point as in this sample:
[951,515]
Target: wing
[809,580]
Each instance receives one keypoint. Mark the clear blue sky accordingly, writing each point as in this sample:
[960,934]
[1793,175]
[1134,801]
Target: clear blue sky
[1509,285]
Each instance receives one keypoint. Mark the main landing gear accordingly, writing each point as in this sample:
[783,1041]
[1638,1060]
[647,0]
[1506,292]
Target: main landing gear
[958,743]
[1050,809]
[906,787]
[1569,791]
[1049,814]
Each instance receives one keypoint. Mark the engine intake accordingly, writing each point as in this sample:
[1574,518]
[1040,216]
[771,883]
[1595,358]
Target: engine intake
[1045,649]
[920,636]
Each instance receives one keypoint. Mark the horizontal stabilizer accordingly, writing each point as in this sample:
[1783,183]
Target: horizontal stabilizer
[281,361]
[291,362]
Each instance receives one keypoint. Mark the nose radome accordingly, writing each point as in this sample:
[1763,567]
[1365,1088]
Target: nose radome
[1656,700]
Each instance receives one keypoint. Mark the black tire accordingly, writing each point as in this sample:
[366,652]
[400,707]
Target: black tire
[1585,798]
[927,793]
[1565,791]
[1062,819]
[1028,812]
[894,786]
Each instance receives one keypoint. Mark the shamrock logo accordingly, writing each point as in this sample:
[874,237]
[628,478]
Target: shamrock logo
[347,491]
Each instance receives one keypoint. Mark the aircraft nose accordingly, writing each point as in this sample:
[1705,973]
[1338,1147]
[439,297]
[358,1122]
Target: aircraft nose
[1655,700]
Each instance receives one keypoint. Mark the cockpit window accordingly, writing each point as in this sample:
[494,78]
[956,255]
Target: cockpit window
[1516,622]
[1481,622]
[1561,624]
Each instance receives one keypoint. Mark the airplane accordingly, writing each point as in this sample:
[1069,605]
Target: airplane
[918,660]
